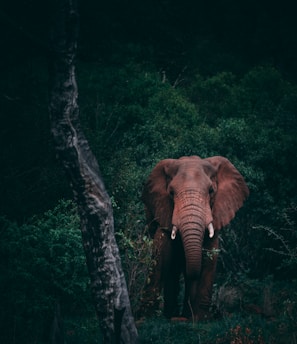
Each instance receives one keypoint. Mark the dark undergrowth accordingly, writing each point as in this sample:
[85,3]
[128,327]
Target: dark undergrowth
[237,328]
[248,312]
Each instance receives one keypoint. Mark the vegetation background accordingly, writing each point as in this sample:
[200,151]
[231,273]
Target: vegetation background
[156,79]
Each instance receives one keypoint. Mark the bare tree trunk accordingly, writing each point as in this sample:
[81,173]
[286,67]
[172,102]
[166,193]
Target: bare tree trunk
[107,278]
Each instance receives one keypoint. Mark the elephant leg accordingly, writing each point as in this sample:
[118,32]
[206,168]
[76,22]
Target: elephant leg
[171,291]
[172,274]
[191,287]
[160,256]
[204,290]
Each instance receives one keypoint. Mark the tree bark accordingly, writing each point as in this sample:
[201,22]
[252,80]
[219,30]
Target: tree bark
[102,255]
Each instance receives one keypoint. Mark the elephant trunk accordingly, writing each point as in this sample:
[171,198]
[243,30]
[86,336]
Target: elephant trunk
[190,219]
[192,239]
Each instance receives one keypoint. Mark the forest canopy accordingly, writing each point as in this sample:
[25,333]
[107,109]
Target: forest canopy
[156,80]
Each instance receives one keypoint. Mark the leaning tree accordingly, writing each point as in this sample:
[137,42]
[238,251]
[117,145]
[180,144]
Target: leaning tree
[102,255]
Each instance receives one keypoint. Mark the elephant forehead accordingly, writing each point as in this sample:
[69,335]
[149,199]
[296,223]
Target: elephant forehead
[196,167]
[194,180]
[190,169]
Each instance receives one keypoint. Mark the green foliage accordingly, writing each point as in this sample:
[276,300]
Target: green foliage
[42,262]
[113,100]
[136,254]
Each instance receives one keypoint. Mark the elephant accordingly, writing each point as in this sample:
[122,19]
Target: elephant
[187,201]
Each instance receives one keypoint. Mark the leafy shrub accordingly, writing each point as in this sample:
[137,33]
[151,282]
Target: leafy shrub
[136,253]
[42,263]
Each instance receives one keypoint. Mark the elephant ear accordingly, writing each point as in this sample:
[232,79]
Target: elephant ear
[158,203]
[231,191]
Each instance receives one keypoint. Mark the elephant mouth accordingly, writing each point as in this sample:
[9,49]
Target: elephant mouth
[209,227]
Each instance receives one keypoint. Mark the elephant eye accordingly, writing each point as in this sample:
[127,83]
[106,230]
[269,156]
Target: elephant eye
[211,190]
[171,192]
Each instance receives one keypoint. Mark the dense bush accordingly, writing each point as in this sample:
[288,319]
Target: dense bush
[42,264]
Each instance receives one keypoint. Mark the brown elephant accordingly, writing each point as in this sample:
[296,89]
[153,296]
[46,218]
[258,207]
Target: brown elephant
[188,200]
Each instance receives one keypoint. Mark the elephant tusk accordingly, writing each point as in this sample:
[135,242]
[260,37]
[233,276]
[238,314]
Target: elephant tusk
[211,230]
[173,232]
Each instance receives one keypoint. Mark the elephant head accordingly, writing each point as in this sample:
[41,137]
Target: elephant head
[193,196]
